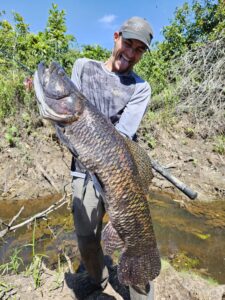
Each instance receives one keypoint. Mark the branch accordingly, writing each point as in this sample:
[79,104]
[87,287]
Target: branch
[39,215]
[3,232]
[46,176]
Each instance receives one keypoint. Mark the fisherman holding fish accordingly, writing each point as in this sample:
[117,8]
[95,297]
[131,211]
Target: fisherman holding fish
[122,96]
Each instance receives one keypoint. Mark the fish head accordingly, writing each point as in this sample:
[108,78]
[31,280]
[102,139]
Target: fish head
[57,97]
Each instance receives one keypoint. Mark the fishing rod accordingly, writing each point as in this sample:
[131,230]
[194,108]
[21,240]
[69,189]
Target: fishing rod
[10,57]
[155,165]
[176,182]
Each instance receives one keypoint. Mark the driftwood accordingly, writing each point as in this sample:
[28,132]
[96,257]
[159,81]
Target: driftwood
[39,215]
[46,176]
[9,226]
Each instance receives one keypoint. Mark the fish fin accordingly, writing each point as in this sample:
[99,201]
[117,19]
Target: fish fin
[62,137]
[139,269]
[111,239]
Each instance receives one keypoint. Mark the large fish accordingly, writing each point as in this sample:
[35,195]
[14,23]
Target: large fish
[115,161]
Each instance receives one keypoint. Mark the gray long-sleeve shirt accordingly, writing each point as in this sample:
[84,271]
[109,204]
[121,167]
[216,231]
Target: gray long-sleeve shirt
[121,98]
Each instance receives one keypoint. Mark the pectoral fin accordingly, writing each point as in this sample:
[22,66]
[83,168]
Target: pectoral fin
[111,239]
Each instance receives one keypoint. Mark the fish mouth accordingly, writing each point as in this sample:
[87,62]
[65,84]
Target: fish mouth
[41,71]
[54,93]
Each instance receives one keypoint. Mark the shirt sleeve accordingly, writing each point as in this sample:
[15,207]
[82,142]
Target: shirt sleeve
[134,110]
[76,72]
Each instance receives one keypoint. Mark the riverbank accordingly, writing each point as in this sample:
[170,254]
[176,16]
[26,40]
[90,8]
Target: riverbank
[55,285]
[39,165]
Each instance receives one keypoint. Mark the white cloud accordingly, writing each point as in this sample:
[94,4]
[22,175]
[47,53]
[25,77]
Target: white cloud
[107,19]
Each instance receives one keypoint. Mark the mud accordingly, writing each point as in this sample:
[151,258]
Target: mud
[39,166]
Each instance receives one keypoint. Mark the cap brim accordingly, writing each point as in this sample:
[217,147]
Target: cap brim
[133,35]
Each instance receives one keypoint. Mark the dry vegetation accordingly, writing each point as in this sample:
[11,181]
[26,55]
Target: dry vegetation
[201,89]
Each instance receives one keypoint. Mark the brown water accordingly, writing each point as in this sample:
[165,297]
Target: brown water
[196,232]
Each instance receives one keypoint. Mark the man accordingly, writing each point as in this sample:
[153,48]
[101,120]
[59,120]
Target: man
[122,96]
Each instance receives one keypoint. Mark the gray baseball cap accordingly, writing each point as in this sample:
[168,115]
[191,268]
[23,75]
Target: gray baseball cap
[137,28]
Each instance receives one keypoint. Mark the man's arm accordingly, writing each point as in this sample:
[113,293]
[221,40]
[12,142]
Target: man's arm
[134,110]
[76,72]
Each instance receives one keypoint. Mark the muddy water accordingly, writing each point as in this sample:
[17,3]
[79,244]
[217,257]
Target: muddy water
[187,232]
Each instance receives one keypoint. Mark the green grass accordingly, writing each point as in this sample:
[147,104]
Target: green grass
[219,144]
[13,265]
[35,268]
[11,135]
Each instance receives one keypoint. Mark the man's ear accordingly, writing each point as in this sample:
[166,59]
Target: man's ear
[116,36]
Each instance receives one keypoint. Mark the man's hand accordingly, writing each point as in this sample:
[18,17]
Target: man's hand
[28,84]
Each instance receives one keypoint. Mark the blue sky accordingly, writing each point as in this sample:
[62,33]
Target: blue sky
[94,21]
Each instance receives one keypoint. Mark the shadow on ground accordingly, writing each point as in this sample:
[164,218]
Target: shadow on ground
[82,286]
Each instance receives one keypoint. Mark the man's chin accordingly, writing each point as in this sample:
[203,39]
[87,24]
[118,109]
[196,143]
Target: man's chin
[123,69]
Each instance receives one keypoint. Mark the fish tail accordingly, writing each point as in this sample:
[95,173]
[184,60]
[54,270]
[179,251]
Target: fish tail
[111,239]
[139,269]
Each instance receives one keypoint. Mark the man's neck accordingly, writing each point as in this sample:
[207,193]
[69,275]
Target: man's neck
[109,66]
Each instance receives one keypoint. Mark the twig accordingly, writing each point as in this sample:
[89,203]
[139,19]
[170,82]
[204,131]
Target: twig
[16,216]
[3,232]
[201,88]
[46,176]
[39,215]
[70,265]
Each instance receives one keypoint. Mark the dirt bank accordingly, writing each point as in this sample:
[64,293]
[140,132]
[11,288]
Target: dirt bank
[61,286]
[36,166]
[188,156]
[39,165]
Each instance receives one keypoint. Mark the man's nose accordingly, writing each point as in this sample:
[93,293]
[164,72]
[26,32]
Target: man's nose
[130,52]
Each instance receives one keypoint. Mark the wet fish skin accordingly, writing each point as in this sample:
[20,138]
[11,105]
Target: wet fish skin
[143,163]
[57,97]
[104,152]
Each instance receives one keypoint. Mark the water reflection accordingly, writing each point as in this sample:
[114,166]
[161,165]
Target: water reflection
[191,232]
[196,230]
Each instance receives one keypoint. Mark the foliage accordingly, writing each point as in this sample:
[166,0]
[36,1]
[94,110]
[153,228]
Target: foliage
[56,39]
[13,265]
[188,66]
[7,96]
[28,48]
[154,69]
[21,50]
[200,88]
[11,136]
[182,261]
[191,26]
[34,268]
[5,290]
[95,52]
[13,93]
[59,276]
[219,145]
[189,132]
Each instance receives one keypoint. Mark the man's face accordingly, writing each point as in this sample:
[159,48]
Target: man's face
[126,53]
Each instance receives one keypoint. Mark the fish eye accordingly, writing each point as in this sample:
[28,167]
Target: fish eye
[61,72]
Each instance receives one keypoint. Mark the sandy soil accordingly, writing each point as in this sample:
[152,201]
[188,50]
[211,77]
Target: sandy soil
[39,166]
[66,286]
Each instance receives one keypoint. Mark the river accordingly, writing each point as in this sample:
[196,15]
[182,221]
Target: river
[190,234]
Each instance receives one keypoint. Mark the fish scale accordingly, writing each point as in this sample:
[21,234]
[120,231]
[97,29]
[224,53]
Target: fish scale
[121,167]
[126,200]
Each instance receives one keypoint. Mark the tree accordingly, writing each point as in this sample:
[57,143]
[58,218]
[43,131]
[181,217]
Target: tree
[95,52]
[56,39]
[193,25]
